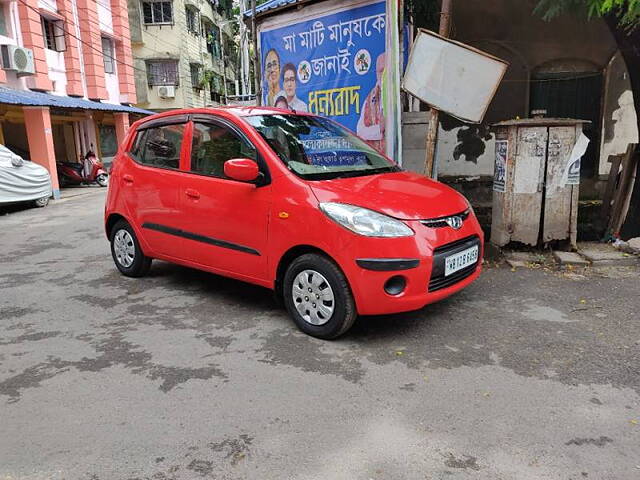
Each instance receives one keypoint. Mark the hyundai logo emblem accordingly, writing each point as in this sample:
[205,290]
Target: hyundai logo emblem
[454,222]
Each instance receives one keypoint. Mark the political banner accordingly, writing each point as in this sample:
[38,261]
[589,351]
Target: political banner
[331,65]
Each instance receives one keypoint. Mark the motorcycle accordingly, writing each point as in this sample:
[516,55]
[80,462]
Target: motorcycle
[90,171]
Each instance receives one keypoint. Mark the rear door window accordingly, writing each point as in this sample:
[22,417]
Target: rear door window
[138,146]
[160,146]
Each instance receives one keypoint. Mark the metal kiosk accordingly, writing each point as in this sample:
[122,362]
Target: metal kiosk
[536,180]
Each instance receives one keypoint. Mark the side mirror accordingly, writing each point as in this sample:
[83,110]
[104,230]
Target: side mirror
[241,169]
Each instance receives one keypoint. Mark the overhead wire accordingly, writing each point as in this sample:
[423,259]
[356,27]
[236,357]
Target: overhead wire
[92,47]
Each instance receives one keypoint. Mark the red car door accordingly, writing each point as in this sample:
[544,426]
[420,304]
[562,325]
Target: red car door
[152,184]
[225,221]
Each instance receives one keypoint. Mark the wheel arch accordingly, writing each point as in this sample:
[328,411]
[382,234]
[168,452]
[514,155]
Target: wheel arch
[290,255]
[112,219]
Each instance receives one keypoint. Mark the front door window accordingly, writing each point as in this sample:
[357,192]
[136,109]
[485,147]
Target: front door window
[214,144]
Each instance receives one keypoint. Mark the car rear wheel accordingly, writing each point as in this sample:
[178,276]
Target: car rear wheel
[102,179]
[126,251]
[42,202]
[318,297]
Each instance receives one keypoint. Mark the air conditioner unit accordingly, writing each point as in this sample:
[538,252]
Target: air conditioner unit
[18,59]
[168,91]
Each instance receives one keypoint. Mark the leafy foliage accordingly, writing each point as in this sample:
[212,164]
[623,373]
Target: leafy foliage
[628,11]
[424,13]
[225,8]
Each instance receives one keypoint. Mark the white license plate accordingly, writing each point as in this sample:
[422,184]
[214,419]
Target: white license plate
[460,260]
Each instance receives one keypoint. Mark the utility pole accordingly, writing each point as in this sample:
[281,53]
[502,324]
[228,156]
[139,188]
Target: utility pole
[430,165]
[224,61]
[256,55]
[245,88]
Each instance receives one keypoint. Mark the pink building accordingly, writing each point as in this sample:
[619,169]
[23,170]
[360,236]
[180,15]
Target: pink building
[67,79]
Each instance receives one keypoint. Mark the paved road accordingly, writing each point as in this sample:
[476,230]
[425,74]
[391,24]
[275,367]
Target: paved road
[185,375]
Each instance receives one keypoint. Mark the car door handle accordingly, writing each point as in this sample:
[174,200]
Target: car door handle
[191,193]
[127,178]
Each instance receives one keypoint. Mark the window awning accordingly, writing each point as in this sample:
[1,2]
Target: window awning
[273,5]
[38,99]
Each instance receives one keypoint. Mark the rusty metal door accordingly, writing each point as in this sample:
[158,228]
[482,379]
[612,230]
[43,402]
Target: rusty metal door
[528,178]
[557,197]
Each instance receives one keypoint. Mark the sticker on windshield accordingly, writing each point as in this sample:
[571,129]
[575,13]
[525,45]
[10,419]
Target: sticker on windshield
[332,151]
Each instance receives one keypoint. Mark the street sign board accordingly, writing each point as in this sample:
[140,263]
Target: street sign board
[452,77]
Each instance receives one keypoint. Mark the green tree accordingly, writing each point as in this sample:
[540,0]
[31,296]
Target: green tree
[625,12]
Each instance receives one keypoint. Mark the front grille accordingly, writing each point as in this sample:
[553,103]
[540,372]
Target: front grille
[441,222]
[438,280]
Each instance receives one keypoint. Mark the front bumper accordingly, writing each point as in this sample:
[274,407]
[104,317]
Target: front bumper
[419,260]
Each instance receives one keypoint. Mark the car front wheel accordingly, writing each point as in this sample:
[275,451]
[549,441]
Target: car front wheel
[103,179]
[126,251]
[42,202]
[318,297]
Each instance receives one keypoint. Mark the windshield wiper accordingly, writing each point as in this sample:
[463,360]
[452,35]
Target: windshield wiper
[362,173]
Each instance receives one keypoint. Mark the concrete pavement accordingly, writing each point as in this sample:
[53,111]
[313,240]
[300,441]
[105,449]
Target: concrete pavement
[184,375]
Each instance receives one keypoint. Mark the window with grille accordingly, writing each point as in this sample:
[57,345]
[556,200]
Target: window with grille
[4,31]
[53,34]
[195,75]
[108,55]
[192,21]
[156,12]
[209,34]
[162,73]
[213,43]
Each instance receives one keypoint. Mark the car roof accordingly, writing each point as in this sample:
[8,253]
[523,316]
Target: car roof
[234,110]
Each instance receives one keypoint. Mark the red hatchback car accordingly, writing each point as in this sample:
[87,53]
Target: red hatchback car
[293,202]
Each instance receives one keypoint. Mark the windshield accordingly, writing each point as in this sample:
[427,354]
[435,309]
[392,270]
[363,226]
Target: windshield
[316,148]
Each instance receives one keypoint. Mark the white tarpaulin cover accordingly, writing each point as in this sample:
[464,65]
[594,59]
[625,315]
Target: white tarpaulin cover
[21,180]
[452,77]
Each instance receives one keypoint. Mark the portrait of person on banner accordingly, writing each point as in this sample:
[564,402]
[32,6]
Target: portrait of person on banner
[281,102]
[289,72]
[371,124]
[272,77]
[330,64]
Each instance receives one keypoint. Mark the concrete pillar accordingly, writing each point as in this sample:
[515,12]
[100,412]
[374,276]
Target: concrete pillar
[40,137]
[31,26]
[72,58]
[92,49]
[122,126]
[124,56]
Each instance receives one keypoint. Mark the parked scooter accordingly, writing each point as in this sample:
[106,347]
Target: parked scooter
[90,171]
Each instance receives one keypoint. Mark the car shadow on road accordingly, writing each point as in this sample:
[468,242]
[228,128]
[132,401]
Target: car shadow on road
[197,281]
[233,292]
[399,325]
[16,207]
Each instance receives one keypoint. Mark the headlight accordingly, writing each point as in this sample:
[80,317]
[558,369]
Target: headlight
[364,221]
[470,207]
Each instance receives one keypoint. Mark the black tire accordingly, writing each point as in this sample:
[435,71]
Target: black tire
[102,180]
[344,308]
[140,263]
[41,202]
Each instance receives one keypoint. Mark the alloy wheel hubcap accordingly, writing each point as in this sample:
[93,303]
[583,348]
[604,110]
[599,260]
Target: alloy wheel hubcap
[313,297]
[124,248]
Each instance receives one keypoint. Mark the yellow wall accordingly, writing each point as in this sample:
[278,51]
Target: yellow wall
[175,42]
